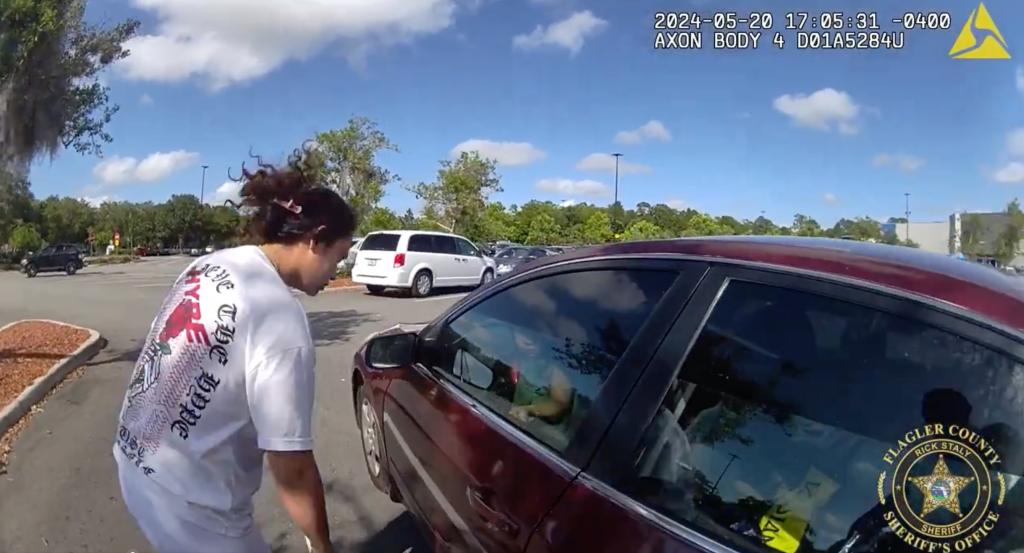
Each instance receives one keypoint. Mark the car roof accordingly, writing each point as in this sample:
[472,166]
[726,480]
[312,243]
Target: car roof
[964,284]
[408,232]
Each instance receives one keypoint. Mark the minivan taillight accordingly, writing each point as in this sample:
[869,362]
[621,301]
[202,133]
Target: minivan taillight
[399,260]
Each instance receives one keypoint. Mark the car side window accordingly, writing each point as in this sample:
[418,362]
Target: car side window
[421,243]
[445,244]
[465,248]
[803,423]
[48,250]
[537,354]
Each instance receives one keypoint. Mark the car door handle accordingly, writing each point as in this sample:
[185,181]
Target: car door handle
[479,502]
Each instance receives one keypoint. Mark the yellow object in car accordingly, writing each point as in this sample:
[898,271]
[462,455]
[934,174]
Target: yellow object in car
[784,525]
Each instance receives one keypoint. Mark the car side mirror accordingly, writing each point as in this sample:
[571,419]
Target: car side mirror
[391,351]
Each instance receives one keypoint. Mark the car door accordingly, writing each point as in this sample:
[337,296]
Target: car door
[44,261]
[785,414]
[471,263]
[448,270]
[476,468]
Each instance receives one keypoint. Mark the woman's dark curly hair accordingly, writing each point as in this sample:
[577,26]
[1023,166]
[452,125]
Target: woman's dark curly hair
[285,205]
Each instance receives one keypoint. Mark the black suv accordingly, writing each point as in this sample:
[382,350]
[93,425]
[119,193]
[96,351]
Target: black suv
[57,257]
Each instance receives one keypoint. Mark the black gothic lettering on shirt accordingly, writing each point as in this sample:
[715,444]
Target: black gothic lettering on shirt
[188,415]
[198,399]
[226,285]
[227,310]
[206,382]
[224,333]
[182,429]
[220,353]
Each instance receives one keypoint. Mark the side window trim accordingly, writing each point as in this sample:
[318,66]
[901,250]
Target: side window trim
[616,451]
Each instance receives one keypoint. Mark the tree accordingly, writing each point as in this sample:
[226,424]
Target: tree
[971,234]
[763,225]
[643,230]
[543,231]
[859,228]
[222,223]
[408,220]
[346,160]
[180,217]
[597,229]
[50,95]
[458,197]
[897,220]
[25,237]
[494,223]
[379,218]
[1008,242]
[729,225]
[805,226]
[65,219]
[16,203]
[702,225]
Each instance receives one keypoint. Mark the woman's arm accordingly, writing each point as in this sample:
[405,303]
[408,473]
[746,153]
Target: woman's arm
[556,403]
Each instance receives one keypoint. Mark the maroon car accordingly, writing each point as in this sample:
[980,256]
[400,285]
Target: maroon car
[734,394]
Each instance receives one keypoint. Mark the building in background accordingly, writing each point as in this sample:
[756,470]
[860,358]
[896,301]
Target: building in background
[976,235]
[932,236]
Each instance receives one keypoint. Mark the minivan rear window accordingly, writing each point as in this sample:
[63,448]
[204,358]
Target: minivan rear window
[380,243]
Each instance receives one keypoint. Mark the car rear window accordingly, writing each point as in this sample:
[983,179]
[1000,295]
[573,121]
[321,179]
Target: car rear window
[802,423]
[383,242]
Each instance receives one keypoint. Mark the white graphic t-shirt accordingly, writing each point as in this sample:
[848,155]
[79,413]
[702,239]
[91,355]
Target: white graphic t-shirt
[226,373]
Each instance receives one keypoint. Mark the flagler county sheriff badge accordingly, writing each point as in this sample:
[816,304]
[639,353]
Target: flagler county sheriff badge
[943,488]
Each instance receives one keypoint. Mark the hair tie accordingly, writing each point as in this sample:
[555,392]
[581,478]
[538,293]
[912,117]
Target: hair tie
[290,205]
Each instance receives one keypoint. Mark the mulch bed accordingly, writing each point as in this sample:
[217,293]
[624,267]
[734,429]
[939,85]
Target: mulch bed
[340,282]
[27,351]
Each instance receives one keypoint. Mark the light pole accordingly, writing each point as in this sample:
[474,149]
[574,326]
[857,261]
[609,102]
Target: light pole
[617,156]
[907,214]
[202,189]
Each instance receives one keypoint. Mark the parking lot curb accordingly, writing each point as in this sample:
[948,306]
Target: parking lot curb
[22,404]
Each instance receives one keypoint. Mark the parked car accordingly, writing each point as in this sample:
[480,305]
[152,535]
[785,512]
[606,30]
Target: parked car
[419,261]
[509,258]
[350,261]
[740,394]
[55,257]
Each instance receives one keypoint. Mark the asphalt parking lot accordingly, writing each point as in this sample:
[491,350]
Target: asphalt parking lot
[60,492]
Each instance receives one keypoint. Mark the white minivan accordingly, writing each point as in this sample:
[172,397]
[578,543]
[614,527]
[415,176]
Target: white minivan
[419,261]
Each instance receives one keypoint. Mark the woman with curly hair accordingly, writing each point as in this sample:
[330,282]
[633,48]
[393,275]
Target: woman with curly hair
[225,379]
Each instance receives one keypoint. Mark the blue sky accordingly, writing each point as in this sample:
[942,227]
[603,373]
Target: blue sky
[826,133]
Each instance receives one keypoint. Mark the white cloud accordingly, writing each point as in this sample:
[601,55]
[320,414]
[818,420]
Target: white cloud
[677,204]
[228,191]
[830,198]
[568,203]
[569,33]
[146,100]
[569,187]
[1015,142]
[232,41]
[1020,79]
[505,153]
[606,163]
[157,166]
[97,201]
[903,162]
[823,110]
[1011,173]
[651,130]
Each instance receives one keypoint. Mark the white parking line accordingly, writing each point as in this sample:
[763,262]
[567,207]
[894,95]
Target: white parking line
[447,297]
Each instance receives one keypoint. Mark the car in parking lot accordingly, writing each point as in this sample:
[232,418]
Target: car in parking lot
[55,257]
[419,261]
[509,258]
[734,394]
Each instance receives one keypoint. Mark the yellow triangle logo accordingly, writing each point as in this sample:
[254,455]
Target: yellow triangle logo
[980,39]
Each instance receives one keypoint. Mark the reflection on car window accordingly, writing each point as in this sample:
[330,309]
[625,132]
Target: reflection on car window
[793,416]
[538,353]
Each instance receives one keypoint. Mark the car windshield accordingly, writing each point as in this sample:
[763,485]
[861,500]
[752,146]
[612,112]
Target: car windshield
[512,253]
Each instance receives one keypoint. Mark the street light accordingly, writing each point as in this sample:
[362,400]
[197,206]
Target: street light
[617,156]
[202,189]
[907,214]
